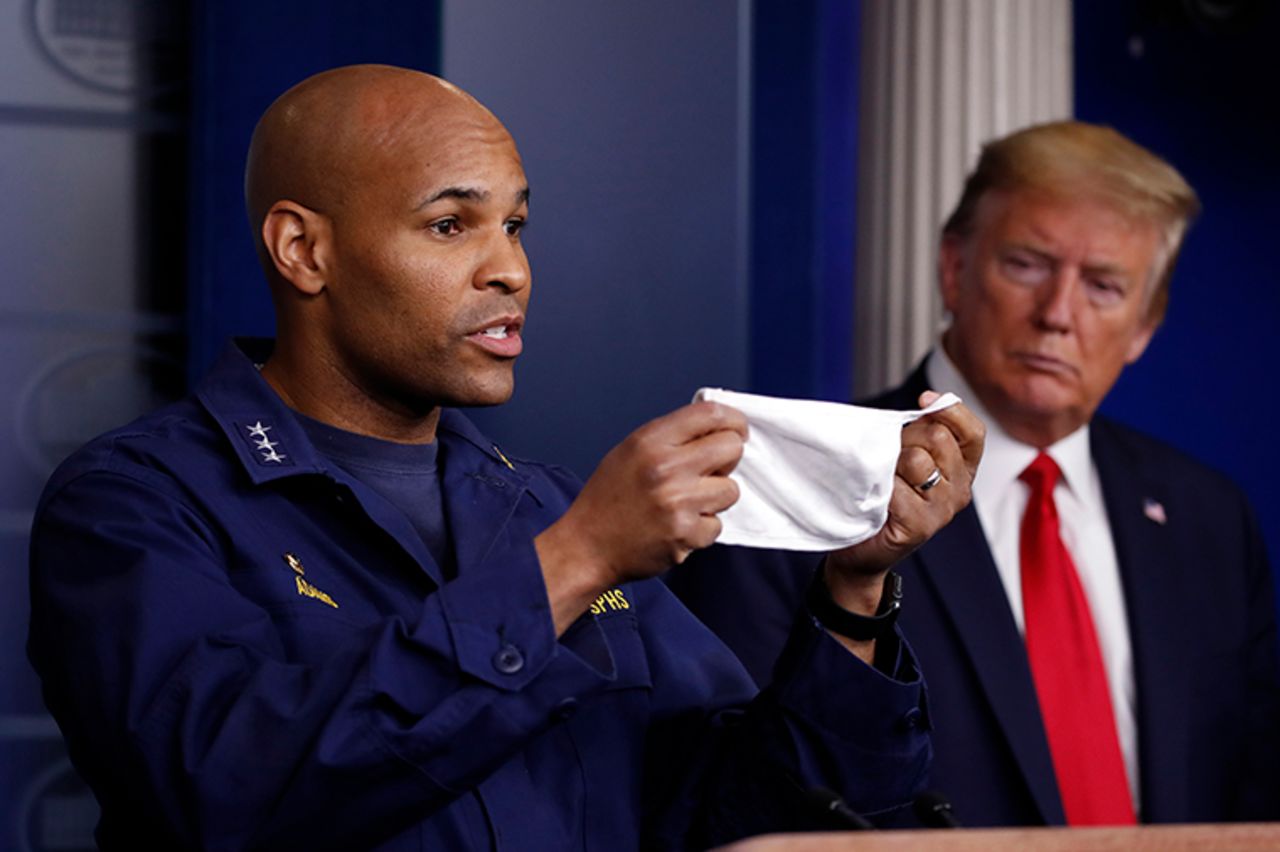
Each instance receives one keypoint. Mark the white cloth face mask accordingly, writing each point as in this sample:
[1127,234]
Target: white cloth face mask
[814,475]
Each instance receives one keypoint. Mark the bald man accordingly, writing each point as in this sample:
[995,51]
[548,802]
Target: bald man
[312,606]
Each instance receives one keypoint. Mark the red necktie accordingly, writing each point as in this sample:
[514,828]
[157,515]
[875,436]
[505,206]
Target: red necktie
[1066,664]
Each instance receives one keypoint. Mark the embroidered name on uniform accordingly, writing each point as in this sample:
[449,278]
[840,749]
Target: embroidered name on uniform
[304,588]
[307,590]
[611,601]
[263,444]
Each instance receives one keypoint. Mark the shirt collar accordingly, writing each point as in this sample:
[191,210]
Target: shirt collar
[1004,458]
[270,442]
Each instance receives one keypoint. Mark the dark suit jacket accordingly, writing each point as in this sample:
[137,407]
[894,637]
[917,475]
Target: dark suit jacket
[1203,627]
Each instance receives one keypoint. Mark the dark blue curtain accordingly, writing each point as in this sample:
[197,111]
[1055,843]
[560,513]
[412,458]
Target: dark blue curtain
[803,196]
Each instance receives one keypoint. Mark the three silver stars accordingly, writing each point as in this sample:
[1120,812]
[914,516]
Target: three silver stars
[265,444]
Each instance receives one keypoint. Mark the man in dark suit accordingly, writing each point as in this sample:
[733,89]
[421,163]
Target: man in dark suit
[1098,627]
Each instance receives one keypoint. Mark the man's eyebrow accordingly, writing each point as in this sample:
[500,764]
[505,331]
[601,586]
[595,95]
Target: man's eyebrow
[1030,248]
[462,193]
[465,193]
[1105,268]
[1093,267]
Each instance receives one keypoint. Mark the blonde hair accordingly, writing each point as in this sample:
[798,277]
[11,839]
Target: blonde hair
[1072,159]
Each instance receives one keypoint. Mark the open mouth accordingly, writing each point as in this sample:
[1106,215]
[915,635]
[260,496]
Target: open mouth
[501,339]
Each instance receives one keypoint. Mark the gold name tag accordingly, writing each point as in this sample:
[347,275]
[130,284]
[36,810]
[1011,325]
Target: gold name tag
[307,590]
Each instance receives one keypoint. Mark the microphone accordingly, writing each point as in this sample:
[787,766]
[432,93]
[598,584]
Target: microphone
[833,812]
[934,811]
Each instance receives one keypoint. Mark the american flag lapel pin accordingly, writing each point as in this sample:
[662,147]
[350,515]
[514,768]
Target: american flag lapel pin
[1154,510]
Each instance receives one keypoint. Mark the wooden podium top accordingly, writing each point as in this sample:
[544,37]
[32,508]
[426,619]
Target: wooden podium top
[1165,838]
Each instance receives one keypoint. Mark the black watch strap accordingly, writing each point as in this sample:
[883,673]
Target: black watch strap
[840,620]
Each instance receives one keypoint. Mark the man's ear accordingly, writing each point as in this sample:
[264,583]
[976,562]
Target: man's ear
[297,239]
[950,268]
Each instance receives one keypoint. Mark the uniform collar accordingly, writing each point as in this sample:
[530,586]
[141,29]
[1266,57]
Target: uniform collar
[271,444]
[266,437]
[461,440]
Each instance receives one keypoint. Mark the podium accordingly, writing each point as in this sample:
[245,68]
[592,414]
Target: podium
[1164,838]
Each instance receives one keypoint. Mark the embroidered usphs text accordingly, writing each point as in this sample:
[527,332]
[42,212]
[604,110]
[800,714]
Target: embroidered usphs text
[611,601]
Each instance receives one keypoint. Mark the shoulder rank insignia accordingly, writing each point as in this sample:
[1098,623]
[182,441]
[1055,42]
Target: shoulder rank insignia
[256,435]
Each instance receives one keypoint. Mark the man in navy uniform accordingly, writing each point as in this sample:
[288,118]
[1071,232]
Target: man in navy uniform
[312,606]
[1098,627]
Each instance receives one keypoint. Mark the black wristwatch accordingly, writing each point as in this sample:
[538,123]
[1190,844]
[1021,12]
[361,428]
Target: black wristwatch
[860,627]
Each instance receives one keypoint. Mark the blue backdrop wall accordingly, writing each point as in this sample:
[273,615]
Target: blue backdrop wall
[631,121]
[1200,90]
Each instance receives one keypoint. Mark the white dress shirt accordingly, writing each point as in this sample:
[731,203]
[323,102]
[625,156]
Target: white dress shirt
[1000,499]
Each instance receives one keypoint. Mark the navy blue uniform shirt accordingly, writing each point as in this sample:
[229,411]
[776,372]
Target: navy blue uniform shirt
[246,647]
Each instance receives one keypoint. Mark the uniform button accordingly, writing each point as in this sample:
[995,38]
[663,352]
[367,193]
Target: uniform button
[565,709]
[508,660]
[910,720]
